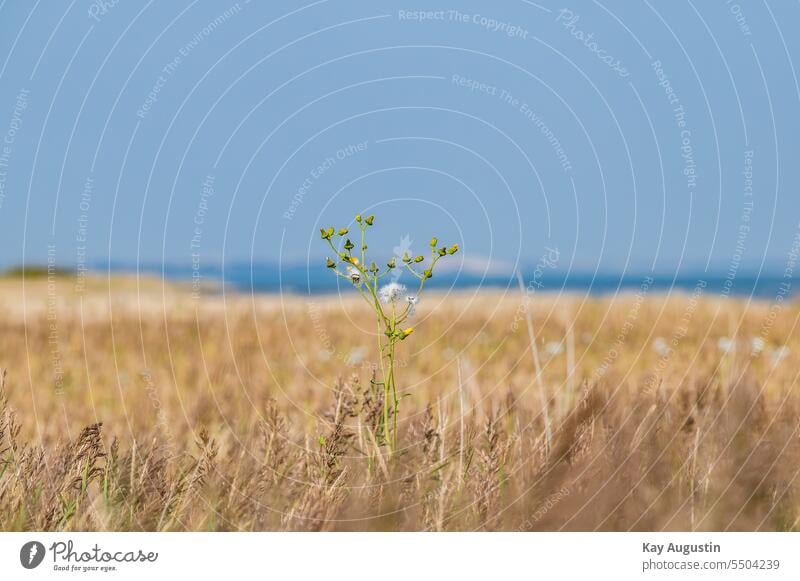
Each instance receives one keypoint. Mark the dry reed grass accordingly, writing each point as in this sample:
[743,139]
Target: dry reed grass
[132,407]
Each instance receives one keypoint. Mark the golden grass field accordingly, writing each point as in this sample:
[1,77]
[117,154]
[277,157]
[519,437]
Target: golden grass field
[132,406]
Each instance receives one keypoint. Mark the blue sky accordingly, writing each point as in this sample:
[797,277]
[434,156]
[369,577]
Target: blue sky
[628,136]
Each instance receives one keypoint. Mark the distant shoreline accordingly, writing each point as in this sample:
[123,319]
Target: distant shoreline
[266,280]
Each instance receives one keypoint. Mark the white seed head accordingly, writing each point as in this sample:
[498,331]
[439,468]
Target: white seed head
[413,301]
[354,275]
[391,292]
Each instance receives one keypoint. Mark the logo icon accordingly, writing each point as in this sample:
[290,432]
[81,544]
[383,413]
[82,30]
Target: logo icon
[32,554]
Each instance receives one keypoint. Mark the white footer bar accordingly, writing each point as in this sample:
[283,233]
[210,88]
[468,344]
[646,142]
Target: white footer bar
[389,556]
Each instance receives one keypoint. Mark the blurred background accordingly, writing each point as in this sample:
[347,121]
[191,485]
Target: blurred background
[214,139]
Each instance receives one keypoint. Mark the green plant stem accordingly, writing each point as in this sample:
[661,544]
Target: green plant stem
[363,234]
[385,390]
[394,392]
[383,323]
[395,402]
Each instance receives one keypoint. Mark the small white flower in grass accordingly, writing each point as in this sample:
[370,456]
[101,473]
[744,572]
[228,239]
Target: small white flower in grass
[391,292]
[726,345]
[354,275]
[554,348]
[756,345]
[661,347]
[356,356]
[779,354]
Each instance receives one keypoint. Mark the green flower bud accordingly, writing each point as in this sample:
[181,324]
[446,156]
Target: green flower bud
[406,257]
[434,241]
[370,219]
[373,268]
[358,218]
[343,231]
[323,234]
[419,258]
[330,263]
[348,245]
[453,249]
[391,263]
[442,251]
[428,273]
[330,231]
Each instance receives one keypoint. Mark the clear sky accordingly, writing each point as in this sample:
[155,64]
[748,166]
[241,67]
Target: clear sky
[626,135]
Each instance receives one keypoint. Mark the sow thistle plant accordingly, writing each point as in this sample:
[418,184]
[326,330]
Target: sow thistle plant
[392,303]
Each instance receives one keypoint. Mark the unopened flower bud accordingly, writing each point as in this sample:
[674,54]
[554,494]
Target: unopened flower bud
[330,263]
[453,249]
[442,251]
[428,273]
[358,218]
[419,258]
[343,231]
[434,241]
[370,219]
[348,245]
[406,257]
[391,263]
